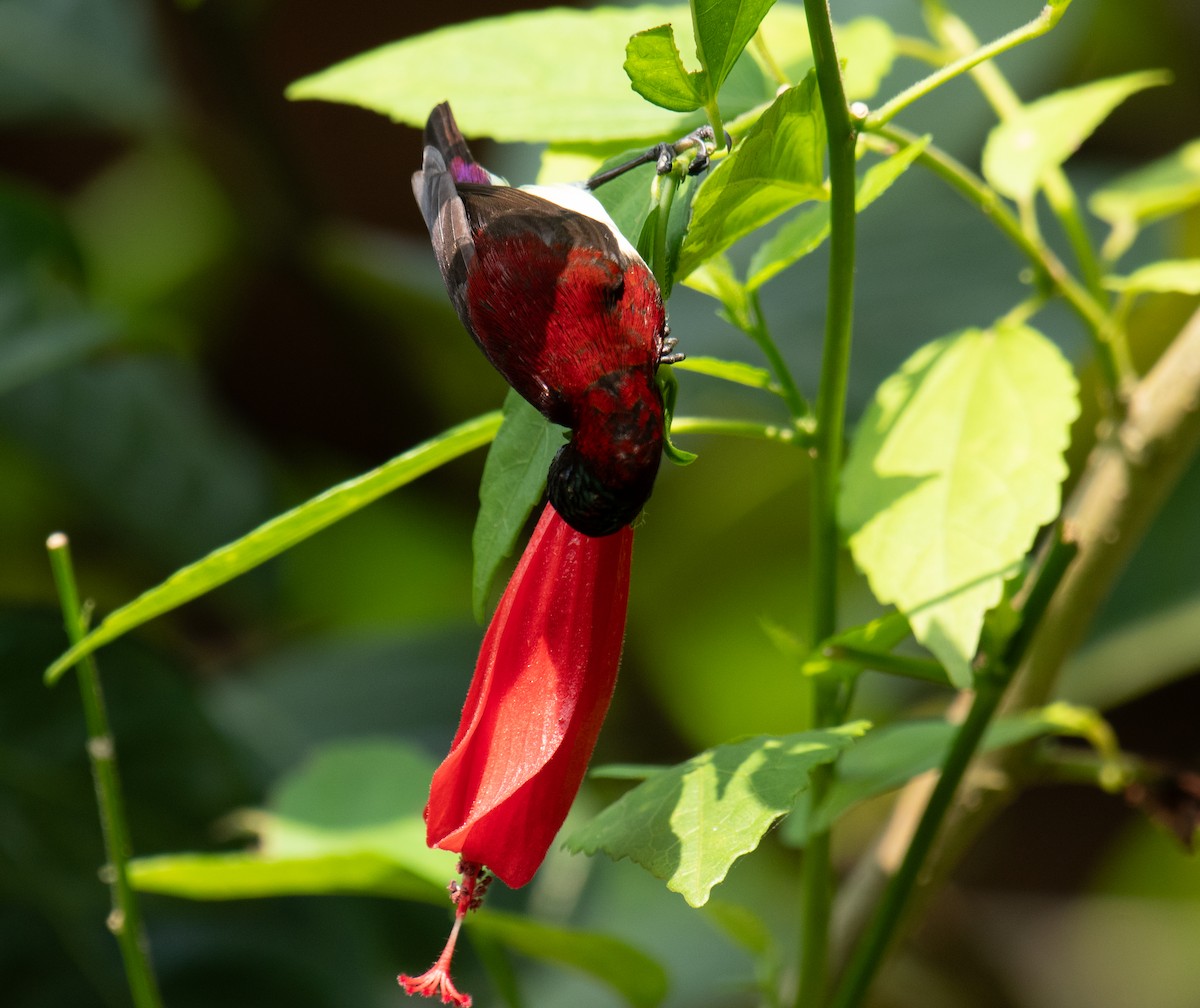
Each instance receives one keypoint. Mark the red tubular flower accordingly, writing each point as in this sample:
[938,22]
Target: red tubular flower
[545,676]
[542,685]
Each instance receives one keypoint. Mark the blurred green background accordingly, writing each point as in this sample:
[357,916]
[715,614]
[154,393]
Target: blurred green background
[214,304]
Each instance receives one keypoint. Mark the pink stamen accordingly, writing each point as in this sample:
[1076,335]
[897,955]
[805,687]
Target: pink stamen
[436,981]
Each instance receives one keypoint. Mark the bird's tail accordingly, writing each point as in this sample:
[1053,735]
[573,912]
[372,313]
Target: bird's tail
[442,134]
[447,161]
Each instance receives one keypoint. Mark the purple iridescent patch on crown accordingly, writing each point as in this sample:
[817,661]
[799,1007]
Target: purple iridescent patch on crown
[469,171]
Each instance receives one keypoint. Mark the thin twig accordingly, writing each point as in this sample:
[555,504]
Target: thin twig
[124,920]
[1046,19]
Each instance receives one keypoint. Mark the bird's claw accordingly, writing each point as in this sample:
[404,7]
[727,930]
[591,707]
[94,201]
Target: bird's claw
[664,154]
[667,354]
[702,140]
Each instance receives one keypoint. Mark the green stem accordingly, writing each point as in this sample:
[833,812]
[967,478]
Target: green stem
[713,110]
[870,950]
[757,330]
[1045,20]
[817,906]
[1033,604]
[1062,199]
[920,49]
[124,920]
[839,313]
[956,35]
[922,669]
[667,185]
[772,65]
[736,428]
[1065,764]
[827,461]
[1102,327]
[991,682]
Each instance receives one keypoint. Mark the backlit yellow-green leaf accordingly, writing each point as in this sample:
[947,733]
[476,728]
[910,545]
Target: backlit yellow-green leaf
[953,469]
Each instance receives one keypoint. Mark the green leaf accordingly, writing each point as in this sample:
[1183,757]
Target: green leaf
[1164,187]
[555,75]
[514,479]
[805,232]
[254,876]
[280,533]
[891,755]
[688,824]
[1180,276]
[1020,150]
[875,639]
[571,162]
[777,165]
[723,28]
[640,980]
[538,76]
[668,385]
[657,73]
[361,795]
[716,278]
[678,224]
[954,467]
[737,372]
[745,927]
[867,47]
[349,820]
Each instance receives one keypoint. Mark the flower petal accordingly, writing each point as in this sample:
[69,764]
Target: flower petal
[546,672]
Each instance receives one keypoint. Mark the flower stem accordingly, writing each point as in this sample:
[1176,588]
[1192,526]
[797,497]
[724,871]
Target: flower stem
[124,920]
[827,460]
